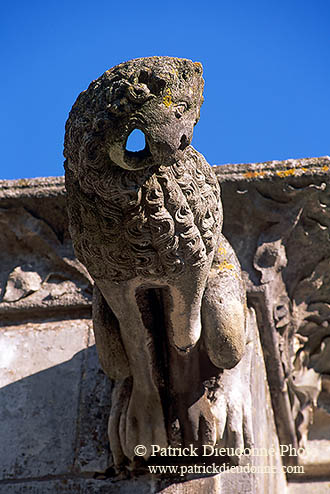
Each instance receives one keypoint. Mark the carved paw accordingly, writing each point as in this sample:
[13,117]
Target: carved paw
[200,426]
[234,420]
[144,423]
[233,409]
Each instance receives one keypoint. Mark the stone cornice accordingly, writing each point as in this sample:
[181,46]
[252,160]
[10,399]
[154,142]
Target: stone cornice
[274,170]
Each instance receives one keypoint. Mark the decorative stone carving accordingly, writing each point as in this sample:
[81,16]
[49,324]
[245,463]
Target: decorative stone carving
[285,257]
[295,338]
[38,269]
[169,308]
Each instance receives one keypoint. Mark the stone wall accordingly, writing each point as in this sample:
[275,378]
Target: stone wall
[277,219]
[55,397]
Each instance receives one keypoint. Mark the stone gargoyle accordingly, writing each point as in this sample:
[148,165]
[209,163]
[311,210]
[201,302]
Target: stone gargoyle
[169,307]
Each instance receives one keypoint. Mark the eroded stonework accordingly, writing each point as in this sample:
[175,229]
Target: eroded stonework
[285,255]
[38,270]
[55,398]
[169,303]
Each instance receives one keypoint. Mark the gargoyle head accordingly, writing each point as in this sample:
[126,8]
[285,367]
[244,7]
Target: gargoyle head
[160,96]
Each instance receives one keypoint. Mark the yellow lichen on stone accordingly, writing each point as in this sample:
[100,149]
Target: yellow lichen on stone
[297,170]
[225,265]
[222,250]
[168,98]
[301,167]
[250,174]
[286,173]
[255,174]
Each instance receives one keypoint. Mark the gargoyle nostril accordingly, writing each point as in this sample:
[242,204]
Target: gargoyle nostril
[136,141]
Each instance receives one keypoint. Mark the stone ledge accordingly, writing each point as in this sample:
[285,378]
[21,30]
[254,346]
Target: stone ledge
[274,170]
[31,187]
[142,485]
[316,487]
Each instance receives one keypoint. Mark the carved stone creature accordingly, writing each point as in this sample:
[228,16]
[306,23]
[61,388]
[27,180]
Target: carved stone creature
[169,303]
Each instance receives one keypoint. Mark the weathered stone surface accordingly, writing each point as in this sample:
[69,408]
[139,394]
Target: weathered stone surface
[81,486]
[316,460]
[279,227]
[38,270]
[317,487]
[169,308]
[65,408]
[31,191]
[264,431]
[92,447]
[138,486]
[40,374]
[42,196]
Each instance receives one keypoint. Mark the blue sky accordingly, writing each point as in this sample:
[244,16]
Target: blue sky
[266,69]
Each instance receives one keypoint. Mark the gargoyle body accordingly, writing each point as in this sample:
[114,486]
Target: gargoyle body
[169,305]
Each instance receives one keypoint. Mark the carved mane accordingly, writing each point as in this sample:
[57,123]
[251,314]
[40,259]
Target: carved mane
[146,223]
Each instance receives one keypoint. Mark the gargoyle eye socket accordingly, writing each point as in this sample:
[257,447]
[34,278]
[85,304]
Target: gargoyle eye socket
[180,109]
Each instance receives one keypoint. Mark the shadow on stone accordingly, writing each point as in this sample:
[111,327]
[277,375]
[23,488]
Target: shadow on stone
[54,422]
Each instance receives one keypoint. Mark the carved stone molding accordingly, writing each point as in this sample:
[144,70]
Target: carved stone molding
[277,218]
[39,273]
